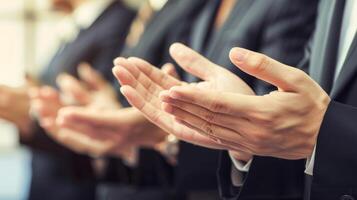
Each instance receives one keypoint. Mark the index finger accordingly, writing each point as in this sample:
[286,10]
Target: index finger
[217,101]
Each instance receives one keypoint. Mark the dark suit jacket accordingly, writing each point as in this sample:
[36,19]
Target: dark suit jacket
[153,177]
[335,174]
[279,29]
[58,173]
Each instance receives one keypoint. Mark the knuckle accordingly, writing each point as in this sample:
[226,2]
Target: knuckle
[259,63]
[207,127]
[216,105]
[209,117]
[296,76]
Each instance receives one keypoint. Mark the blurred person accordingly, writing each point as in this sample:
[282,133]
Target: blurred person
[152,174]
[192,179]
[94,32]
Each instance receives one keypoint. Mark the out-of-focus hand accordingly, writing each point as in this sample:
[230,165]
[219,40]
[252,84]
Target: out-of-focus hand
[110,132]
[91,90]
[45,103]
[142,84]
[14,107]
[283,124]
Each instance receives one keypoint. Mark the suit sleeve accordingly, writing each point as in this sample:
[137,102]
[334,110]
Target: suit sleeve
[284,36]
[336,155]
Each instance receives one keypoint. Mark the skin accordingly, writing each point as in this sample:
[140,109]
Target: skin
[10,96]
[283,124]
[19,114]
[115,131]
[92,92]
[143,83]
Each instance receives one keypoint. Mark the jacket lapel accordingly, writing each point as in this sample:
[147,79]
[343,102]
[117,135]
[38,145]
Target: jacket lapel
[348,70]
[232,23]
[326,39]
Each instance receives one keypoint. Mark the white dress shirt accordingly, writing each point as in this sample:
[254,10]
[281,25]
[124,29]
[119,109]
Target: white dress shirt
[348,32]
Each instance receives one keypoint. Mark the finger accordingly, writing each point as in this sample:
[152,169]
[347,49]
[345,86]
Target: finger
[91,77]
[72,140]
[72,88]
[193,62]
[49,93]
[165,121]
[219,102]
[216,143]
[92,130]
[126,78]
[42,109]
[207,128]
[287,78]
[45,102]
[49,124]
[169,69]
[114,120]
[155,74]
[141,78]
[221,119]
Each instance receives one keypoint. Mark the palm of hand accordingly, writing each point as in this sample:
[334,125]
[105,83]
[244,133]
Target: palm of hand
[147,82]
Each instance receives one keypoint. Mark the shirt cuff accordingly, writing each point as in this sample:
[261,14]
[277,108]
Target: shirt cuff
[242,167]
[131,159]
[309,168]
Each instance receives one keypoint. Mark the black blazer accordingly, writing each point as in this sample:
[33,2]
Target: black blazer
[153,177]
[58,173]
[279,29]
[335,174]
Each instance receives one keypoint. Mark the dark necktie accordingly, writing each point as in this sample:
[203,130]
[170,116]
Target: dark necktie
[330,66]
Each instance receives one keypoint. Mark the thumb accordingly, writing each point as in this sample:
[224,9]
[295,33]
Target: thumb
[169,69]
[91,77]
[192,62]
[284,77]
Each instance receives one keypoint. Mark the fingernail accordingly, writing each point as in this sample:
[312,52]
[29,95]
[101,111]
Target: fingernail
[239,54]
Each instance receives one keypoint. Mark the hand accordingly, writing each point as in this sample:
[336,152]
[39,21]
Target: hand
[45,103]
[283,124]
[111,132]
[143,82]
[91,90]
[14,107]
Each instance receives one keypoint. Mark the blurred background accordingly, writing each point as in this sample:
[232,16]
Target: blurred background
[31,34]
[27,30]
